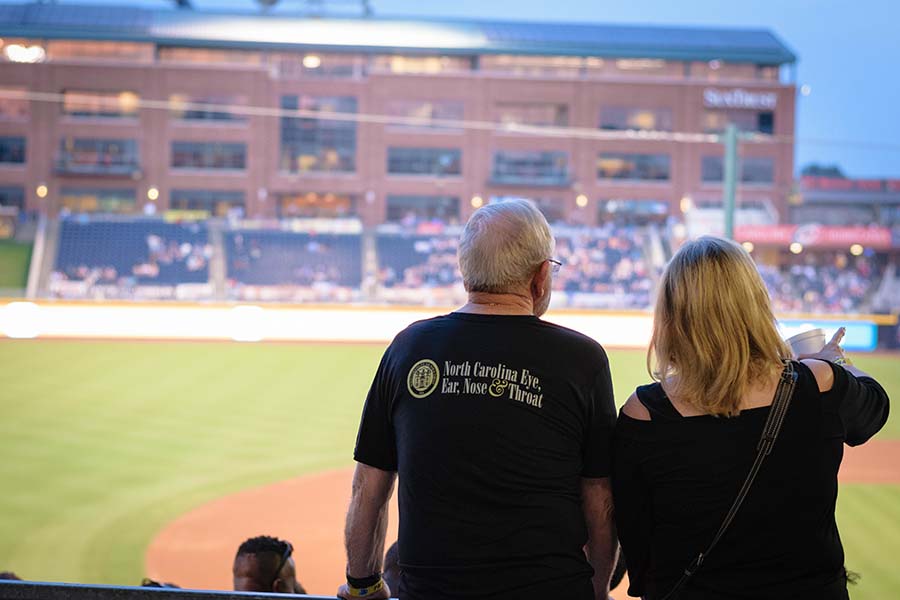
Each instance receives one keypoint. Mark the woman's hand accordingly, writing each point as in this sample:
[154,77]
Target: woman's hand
[832,352]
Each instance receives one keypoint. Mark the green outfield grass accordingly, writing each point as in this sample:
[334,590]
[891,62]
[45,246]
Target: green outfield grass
[103,443]
[14,258]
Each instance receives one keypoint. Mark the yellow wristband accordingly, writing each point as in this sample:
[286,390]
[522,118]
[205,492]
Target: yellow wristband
[363,592]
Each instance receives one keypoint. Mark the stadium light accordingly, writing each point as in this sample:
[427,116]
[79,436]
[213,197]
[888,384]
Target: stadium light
[153,193]
[41,190]
[748,246]
[477,201]
[856,250]
[311,61]
[796,248]
[581,200]
[687,203]
[24,54]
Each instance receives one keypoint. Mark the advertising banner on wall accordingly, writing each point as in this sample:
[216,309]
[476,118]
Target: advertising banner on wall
[816,236]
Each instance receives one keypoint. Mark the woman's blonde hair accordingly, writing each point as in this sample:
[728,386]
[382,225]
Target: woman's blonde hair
[714,334]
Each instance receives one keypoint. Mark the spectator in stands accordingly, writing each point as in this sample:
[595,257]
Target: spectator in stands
[684,445]
[9,575]
[264,564]
[392,569]
[499,426]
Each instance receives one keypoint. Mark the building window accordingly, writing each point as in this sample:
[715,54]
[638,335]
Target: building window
[637,167]
[13,104]
[620,118]
[216,202]
[291,65]
[530,167]
[763,121]
[11,195]
[753,169]
[628,211]
[428,65]
[12,150]
[99,51]
[316,205]
[209,155]
[106,105]
[97,156]
[77,199]
[189,107]
[553,209]
[415,210]
[422,114]
[541,66]
[209,56]
[438,162]
[649,66]
[531,113]
[318,145]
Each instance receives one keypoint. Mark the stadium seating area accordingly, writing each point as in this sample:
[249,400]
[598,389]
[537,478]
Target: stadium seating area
[115,258]
[605,267]
[294,265]
[831,282]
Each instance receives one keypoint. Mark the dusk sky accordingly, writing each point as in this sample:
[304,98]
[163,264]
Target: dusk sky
[849,56]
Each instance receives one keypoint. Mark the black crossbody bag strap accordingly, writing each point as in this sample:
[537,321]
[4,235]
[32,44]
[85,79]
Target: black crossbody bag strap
[780,404]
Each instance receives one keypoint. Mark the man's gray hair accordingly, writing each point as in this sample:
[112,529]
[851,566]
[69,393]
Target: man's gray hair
[502,246]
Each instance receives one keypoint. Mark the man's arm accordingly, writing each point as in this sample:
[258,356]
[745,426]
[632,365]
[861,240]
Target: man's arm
[602,548]
[367,524]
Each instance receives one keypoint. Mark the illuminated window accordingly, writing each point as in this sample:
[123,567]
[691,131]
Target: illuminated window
[531,113]
[715,121]
[421,64]
[314,144]
[12,150]
[97,156]
[100,104]
[540,66]
[209,155]
[197,107]
[316,205]
[13,104]
[76,199]
[209,56]
[753,169]
[216,202]
[438,162]
[621,118]
[412,210]
[638,167]
[295,65]
[102,51]
[424,113]
[530,167]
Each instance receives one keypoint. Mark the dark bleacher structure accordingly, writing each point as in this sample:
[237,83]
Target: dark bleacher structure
[287,258]
[138,251]
[417,260]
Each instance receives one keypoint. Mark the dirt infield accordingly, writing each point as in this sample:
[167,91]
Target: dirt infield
[196,550]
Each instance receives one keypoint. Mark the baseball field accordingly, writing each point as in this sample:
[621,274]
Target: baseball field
[105,445]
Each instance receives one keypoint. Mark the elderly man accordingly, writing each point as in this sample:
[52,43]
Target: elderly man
[498,424]
[264,564]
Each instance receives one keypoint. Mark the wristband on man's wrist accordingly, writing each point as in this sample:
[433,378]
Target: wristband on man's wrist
[362,587]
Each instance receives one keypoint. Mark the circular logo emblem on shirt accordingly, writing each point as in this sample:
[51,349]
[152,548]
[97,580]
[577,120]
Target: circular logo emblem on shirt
[423,378]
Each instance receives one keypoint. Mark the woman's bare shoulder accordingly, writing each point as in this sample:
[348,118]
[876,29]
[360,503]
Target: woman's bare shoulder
[634,409]
[821,370]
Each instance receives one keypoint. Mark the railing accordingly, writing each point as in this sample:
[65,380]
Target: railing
[27,590]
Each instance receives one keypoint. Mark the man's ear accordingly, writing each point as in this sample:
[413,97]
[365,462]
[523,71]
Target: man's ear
[279,586]
[539,282]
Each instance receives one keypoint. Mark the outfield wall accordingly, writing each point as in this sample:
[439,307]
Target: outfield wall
[309,323]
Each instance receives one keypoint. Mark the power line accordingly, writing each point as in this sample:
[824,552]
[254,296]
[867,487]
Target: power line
[566,132]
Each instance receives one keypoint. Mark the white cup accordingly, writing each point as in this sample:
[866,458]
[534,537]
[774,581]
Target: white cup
[808,342]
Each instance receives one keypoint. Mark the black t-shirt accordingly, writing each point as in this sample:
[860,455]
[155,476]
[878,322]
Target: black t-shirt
[674,479]
[491,422]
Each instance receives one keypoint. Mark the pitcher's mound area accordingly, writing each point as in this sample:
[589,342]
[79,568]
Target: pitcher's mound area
[197,549]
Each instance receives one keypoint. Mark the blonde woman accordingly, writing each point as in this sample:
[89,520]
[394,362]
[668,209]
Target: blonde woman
[684,445]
